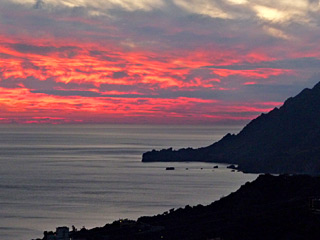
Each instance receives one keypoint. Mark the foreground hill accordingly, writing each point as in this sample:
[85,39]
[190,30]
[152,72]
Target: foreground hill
[271,207]
[286,140]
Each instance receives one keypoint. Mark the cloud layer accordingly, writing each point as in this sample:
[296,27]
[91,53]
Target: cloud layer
[153,61]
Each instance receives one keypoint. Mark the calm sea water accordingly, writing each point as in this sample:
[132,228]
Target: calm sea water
[90,175]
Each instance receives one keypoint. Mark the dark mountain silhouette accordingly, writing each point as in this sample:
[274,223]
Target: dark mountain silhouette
[286,140]
[271,207]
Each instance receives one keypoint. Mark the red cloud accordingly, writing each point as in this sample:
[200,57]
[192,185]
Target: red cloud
[90,66]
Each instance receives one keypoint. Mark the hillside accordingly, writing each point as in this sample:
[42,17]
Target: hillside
[285,140]
[271,207]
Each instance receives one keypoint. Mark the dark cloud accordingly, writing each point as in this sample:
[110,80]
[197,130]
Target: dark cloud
[68,93]
[29,65]
[104,56]
[91,94]
[42,50]
[10,82]
[296,63]
[39,4]
[52,83]
[118,75]
[268,92]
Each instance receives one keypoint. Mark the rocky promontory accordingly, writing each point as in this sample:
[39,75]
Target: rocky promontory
[285,140]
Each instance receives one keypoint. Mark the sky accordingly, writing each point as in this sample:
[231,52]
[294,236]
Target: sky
[154,61]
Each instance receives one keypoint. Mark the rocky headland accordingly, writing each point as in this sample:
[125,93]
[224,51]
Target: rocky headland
[285,140]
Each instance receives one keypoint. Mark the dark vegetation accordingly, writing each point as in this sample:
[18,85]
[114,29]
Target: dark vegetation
[286,140]
[271,207]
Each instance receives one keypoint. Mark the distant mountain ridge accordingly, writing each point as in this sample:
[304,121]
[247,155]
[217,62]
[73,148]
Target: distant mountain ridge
[285,140]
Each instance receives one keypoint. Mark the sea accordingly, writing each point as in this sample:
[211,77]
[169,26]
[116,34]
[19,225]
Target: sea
[91,175]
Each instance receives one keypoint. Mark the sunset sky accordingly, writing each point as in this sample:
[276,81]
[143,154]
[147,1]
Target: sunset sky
[154,61]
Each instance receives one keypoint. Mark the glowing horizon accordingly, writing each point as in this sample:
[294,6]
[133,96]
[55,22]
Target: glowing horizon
[184,62]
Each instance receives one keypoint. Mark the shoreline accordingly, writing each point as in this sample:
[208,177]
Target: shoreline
[275,205]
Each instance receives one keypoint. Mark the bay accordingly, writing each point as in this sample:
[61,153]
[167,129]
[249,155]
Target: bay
[90,175]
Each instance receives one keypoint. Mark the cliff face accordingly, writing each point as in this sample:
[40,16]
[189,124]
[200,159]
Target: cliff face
[286,140]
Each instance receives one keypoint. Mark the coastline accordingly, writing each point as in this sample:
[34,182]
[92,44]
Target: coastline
[270,207]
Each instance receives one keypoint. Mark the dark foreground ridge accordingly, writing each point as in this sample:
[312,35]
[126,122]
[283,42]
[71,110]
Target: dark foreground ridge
[286,140]
[271,207]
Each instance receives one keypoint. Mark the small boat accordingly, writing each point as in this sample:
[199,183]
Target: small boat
[170,168]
